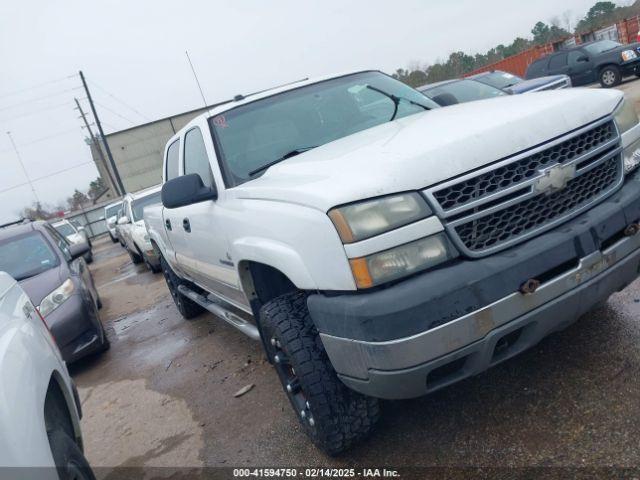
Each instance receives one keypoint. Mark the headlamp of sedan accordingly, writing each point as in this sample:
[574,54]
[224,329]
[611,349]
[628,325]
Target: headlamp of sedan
[625,116]
[372,217]
[628,55]
[401,261]
[56,298]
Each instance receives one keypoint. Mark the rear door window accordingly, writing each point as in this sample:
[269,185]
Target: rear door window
[557,62]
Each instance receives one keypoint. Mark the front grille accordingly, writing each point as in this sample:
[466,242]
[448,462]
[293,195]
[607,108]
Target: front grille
[522,217]
[507,203]
[523,169]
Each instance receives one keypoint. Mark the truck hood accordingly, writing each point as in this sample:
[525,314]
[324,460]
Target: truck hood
[426,148]
[534,83]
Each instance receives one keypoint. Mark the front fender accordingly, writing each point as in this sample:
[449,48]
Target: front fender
[276,254]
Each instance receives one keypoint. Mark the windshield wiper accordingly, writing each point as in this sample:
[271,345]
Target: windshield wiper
[396,100]
[289,154]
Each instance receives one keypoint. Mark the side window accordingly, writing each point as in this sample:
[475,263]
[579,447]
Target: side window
[60,241]
[558,61]
[573,57]
[195,157]
[172,160]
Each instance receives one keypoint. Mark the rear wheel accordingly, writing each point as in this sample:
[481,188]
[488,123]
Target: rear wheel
[71,463]
[332,415]
[187,307]
[135,257]
[610,76]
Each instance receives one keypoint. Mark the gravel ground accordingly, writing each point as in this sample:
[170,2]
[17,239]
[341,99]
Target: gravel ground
[163,396]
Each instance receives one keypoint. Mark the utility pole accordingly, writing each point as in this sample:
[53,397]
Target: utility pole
[95,142]
[118,184]
[23,168]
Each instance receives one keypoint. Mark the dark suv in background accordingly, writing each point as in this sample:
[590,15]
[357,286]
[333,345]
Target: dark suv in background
[604,61]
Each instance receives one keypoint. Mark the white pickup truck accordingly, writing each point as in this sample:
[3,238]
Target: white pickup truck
[382,247]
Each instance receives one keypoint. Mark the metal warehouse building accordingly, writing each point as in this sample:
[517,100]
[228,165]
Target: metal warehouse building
[137,151]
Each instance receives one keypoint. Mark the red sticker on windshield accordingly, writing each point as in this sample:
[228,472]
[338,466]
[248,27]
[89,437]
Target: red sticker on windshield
[220,121]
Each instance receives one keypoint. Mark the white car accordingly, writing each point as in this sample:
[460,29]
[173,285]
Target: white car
[40,409]
[110,218]
[380,246]
[74,234]
[133,232]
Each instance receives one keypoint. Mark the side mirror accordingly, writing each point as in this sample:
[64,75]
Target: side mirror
[123,220]
[186,190]
[81,229]
[582,58]
[77,250]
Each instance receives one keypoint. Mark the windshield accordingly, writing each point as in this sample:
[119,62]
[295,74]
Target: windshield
[262,132]
[137,206]
[112,211]
[499,79]
[601,46]
[461,91]
[26,255]
[65,229]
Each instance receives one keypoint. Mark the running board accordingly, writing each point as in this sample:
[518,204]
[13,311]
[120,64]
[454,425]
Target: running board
[231,318]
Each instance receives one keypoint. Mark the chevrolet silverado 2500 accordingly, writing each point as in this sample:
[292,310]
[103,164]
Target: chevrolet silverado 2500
[381,247]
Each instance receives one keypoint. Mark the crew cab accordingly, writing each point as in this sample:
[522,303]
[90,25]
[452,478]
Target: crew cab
[382,247]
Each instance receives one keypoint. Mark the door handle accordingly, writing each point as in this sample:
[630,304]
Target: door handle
[167,224]
[186,225]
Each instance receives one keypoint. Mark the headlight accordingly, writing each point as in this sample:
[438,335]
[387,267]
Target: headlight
[56,298]
[625,116]
[628,55]
[401,261]
[373,217]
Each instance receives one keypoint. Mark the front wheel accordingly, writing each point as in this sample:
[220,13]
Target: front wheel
[71,463]
[332,415]
[610,76]
[135,257]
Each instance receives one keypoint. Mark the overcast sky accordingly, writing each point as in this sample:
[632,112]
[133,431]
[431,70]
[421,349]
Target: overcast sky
[132,53]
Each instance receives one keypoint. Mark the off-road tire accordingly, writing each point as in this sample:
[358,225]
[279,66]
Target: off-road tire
[609,76]
[341,416]
[70,462]
[187,307]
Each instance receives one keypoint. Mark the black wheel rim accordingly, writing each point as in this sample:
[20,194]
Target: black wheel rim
[292,385]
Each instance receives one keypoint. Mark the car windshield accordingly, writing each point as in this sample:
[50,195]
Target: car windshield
[601,46]
[461,91]
[260,133]
[499,79]
[65,229]
[26,255]
[137,206]
[112,211]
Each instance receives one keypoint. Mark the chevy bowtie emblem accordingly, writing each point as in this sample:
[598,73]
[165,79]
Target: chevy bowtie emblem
[554,178]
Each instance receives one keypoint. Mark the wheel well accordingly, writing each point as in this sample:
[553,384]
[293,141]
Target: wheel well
[602,67]
[56,410]
[262,282]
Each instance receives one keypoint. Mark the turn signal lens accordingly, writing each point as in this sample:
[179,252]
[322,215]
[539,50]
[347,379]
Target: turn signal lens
[401,261]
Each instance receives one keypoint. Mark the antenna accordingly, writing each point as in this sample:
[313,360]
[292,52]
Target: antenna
[196,77]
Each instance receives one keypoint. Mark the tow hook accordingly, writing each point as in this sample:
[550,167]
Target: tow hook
[632,229]
[529,286]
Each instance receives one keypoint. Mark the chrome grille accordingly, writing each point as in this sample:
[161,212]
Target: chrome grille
[521,217]
[503,177]
[515,199]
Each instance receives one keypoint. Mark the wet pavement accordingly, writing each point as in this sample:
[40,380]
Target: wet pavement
[164,394]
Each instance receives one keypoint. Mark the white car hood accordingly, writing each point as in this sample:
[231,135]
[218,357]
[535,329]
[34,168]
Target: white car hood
[424,149]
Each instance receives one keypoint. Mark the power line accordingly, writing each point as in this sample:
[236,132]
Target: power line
[42,139]
[45,177]
[34,112]
[115,113]
[57,94]
[120,101]
[34,87]
[22,165]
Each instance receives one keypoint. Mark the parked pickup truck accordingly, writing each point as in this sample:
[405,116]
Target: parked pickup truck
[381,247]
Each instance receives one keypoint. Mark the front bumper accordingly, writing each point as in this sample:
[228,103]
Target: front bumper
[631,67]
[75,327]
[439,327]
